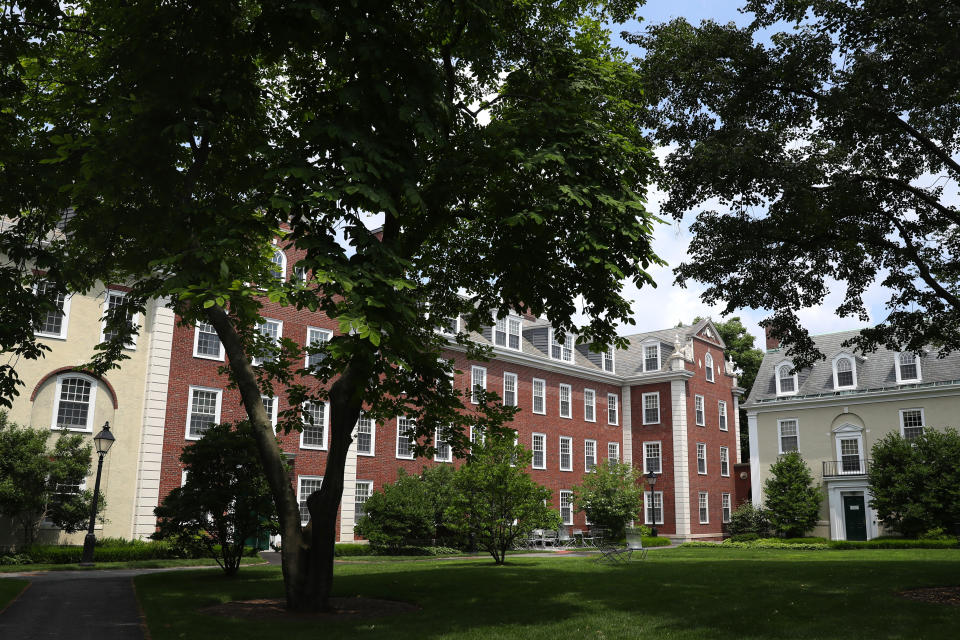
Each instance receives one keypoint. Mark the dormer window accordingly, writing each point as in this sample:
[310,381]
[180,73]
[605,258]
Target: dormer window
[786,379]
[450,326]
[651,357]
[279,266]
[506,333]
[708,367]
[608,360]
[844,373]
[908,367]
[561,351]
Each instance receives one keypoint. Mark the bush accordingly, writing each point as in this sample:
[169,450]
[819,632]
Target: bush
[117,551]
[748,519]
[655,541]
[610,497]
[400,514]
[792,501]
[15,558]
[936,533]
[894,543]
[345,549]
[745,537]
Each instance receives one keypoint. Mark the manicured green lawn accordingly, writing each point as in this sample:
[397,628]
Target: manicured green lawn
[133,564]
[676,593]
[9,588]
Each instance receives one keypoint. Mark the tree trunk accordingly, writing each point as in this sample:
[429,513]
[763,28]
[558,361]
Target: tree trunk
[294,554]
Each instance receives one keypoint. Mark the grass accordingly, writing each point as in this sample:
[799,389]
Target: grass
[678,593]
[10,589]
[132,564]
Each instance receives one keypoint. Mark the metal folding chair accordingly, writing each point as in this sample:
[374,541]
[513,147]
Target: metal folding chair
[612,554]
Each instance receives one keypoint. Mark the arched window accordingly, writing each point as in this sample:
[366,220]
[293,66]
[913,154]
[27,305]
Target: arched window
[279,270]
[73,403]
[786,379]
[844,375]
[908,367]
[708,366]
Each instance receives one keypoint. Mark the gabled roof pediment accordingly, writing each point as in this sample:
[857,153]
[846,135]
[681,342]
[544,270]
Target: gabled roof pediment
[847,427]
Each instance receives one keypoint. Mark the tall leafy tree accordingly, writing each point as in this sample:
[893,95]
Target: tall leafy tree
[791,500]
[610,497]
[494,139]
[833,152]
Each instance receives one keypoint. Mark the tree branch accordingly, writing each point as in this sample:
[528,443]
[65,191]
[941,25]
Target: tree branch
[925,275]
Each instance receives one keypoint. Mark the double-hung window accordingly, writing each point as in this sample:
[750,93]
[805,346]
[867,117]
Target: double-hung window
[844,373]
[539,396]
[566,507]
[203,410]
[651,357]
[74,403]
[722,415]
[510,389]
[651,408]
[589,455]
[363,490]
[708,367]
[589,405]
[539,451]
[307,485]
[704,508]
[652,457]
[365,435]
[789,435]
[725,507]
[607,360]
[206,343]
[613,451]
[613,416]
[701,458]
[911,423]
[725,461]
[478,383]
[444,452]
[53,323]
[405,429]
[566,453]
[270,405]
[561,350]
[786,379]
[653,514]
[908,367]
[565,402]
[271,330]
[698,411]
[506,333]
[316,338]
[113,300]
[316,418]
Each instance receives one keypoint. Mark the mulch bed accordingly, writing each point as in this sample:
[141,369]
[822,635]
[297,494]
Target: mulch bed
[344,609]
[936,595]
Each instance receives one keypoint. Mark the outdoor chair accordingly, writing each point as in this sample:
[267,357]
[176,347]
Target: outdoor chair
[550,539]
[564,539]
[535,538]
[612,554]
[578,538]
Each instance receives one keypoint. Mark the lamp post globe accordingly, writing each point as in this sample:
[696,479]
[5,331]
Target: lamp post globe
[102,442]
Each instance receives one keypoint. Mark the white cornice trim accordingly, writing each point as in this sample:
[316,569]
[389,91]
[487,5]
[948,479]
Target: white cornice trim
[556,366]
[887,395]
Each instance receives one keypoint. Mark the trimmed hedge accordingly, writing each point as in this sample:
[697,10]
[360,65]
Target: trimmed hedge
[650,541]
[116,551]
[894,543]
[344,549]
[822,544]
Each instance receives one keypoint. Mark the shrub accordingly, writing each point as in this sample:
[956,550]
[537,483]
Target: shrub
[655,541]
[610,497]
[936,533]
[745,537]
[400,514]
[894,543]
[748,519]
[792,501]
[345,549]
[116,551]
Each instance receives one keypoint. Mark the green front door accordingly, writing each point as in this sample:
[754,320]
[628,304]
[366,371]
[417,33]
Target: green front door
[855,517]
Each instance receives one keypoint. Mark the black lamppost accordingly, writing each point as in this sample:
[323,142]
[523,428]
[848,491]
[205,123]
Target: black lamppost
[652,480]
[102,441]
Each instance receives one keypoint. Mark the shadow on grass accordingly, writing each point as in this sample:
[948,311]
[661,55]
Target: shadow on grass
[676,594]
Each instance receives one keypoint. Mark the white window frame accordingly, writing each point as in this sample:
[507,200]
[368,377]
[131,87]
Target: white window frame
[516,388]
[614,407]
[196,341]
[614,449]
[282,265]
[608,356]
[565,493]
[542,384]
[568,338]
[444,329]
[66,318]
[587,466]
[91,409]
[702,449]
[183,476]
[437,439]
[650,499]
[643,406]
[569,442]
[257,361]
[853,371]
[475,435]
[591,405]
[896,364]
[356,494]
[643,452]
[858,437]
[796,381]
[722,421]
[373,436]
[780,423]
[725,462]
[509,322]
[274,409]
[400,434]
[478,378]
[699,411]
[326,429]
[703,507]
[923,419]
[643,355]
[311,340]
[134,319]
[569,389]
[726,508]
[301,499]
[542,437]
[216,417]
[708,367]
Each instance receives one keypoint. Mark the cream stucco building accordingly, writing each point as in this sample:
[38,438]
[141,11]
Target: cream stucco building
[57,394]
[834,412]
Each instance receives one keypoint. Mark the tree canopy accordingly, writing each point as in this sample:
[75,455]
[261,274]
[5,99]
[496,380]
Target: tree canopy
[494,139]
[832,153]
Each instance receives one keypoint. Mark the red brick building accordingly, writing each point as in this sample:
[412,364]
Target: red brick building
[667,403]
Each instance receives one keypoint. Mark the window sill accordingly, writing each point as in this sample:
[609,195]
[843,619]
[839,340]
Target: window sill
[366,455]
[49,335]
[71,430]
[206,357]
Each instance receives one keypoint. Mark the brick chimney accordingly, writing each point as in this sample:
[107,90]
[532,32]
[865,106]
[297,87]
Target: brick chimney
[773,342]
